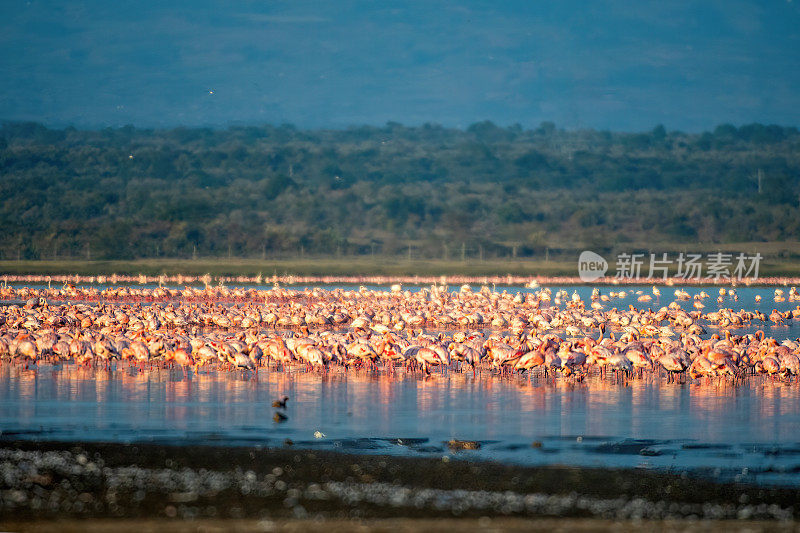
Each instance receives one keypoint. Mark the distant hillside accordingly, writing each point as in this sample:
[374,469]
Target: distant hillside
[428,191]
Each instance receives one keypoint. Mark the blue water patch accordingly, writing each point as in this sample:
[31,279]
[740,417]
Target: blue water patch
[748,432]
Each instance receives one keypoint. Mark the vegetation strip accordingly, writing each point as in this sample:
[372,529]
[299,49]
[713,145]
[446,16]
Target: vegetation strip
[393,191]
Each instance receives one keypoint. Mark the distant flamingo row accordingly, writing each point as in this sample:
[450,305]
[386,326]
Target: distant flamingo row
[225,294]
[542,332]
[519,281]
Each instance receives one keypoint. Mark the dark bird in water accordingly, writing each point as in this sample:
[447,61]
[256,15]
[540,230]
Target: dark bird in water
[280,417]
[280,404]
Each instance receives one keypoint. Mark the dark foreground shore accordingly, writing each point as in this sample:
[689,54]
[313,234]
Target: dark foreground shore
[96,486]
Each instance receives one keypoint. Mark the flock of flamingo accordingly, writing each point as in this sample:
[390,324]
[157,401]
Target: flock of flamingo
[418,280]
[544,333]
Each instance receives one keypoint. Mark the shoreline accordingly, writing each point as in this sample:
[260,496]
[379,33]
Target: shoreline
[775,268]
[47,480]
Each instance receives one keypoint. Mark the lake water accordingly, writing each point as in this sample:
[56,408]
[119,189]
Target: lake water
[748,432]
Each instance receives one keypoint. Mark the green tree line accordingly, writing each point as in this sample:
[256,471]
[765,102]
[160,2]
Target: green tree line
[429,191]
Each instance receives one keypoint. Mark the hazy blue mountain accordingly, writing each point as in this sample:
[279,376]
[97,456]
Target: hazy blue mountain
[607,65]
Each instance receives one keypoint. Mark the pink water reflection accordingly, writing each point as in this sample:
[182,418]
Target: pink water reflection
[72,402]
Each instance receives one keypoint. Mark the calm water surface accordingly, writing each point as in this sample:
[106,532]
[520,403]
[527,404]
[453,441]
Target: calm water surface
[750,431]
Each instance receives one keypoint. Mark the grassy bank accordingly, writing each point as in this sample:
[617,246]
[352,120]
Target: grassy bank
[313,266]
[771,265]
